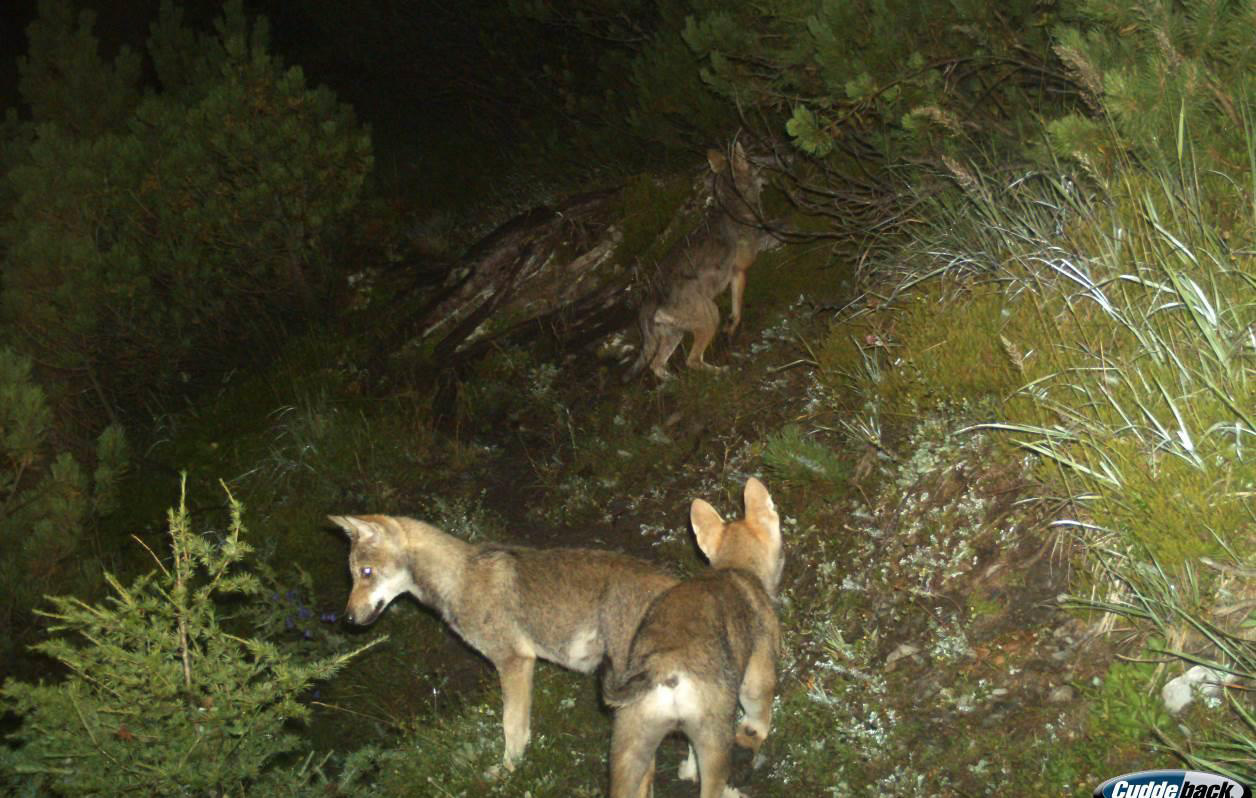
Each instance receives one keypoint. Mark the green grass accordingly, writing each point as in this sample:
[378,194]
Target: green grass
[459,754]
[792,455]
[1127,323]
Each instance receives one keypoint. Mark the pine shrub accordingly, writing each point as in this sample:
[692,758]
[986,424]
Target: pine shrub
[161,696]
[197,222]
[48,504]
[65,81]
[1163,83]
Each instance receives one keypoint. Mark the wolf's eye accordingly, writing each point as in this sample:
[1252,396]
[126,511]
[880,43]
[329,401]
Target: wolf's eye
[366,572]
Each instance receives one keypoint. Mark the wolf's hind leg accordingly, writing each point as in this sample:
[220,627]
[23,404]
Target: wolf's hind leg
[713,743]
[649,341]
[706,323]
[635,738]
[668,339]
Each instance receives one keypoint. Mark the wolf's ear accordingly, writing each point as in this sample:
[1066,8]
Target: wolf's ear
[708,527]
[740,162]
[760,509]
[717,160]
[357,529]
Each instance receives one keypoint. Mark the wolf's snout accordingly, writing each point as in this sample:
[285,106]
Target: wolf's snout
[366,618]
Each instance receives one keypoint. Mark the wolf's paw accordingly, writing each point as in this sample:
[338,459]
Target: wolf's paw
[689,768]
[704,366]
[733,792]
[759,759]
[502,769]
[750,737]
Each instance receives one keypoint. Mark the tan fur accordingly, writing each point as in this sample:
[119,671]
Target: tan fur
[574,607]
[697,269]
[704,646]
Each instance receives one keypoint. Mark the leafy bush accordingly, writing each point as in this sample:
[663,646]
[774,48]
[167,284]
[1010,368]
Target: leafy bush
[160,697]
[200,223]
[47,504]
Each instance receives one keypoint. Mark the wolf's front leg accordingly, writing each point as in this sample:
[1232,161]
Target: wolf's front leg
[516,675]
[689,768]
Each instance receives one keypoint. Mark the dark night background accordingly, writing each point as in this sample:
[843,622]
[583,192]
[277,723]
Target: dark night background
[410,69]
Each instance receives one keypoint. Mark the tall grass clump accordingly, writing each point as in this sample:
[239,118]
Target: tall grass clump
[1146,405]
[1130,319]
[1220,640]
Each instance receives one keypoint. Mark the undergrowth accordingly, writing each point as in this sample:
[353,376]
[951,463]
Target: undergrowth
[951,453]
[1127,323]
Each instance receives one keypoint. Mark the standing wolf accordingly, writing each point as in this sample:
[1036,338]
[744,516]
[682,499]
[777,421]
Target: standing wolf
[573,607]
[703,646]
[698,268]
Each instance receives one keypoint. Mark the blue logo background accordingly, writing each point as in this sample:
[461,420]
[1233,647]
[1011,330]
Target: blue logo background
[1172,784]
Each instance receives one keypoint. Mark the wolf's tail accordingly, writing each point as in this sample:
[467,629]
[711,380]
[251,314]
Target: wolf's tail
[623,688]
[658,668]
[620,689]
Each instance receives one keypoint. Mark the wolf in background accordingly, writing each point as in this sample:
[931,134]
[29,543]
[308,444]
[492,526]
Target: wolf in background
[703,646]
[715,256]
[573,607]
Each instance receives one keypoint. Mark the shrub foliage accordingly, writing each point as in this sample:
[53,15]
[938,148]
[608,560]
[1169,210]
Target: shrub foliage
[141,240]
[161,697]
[48,505]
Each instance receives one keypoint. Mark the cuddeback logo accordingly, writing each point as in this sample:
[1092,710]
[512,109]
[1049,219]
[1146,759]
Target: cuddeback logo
[1172,784]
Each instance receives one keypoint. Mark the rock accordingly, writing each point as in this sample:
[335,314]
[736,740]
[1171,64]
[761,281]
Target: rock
[903,650]
[1061,695]
[1180,691]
